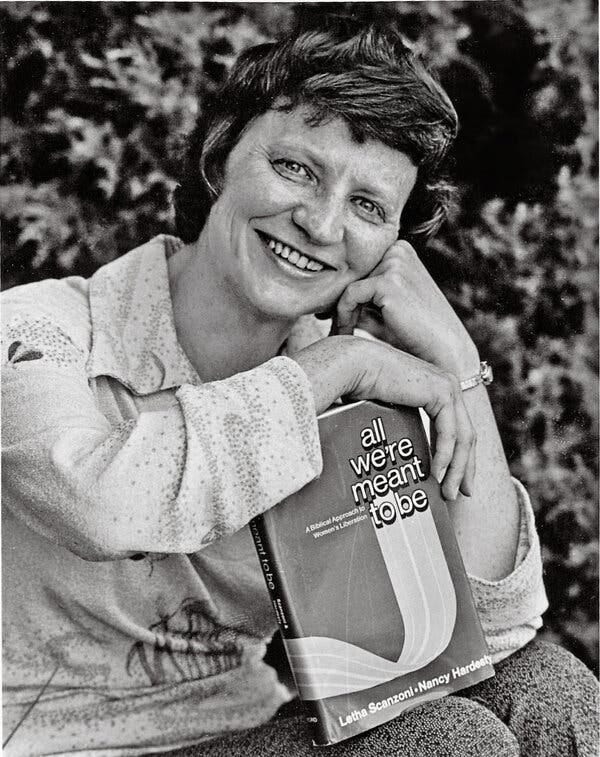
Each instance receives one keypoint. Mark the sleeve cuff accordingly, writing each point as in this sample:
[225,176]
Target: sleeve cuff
[298,389]
[252,440]
[510,609]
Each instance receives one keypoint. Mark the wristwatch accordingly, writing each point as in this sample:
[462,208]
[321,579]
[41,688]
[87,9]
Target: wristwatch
[485,377]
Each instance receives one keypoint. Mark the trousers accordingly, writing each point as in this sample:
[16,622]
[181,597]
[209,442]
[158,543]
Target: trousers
[542,702]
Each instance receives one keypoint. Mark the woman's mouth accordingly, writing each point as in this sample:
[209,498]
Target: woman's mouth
[296,258]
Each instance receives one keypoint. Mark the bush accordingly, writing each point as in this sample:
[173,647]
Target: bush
[96,108]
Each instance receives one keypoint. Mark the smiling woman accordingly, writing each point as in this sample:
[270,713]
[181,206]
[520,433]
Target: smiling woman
[174,395]
[304,211]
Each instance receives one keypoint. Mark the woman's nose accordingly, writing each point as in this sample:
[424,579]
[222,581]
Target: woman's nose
[321,218]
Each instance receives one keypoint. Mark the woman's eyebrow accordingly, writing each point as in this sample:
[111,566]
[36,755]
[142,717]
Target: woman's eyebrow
[386,194]
[388,185]
[314,156]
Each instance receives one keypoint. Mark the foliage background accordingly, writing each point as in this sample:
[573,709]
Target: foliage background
[98,97]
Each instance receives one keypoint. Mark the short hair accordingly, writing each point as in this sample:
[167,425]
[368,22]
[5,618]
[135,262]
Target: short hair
[368,77]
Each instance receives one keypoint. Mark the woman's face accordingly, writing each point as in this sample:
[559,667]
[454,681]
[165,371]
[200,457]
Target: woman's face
[304,212]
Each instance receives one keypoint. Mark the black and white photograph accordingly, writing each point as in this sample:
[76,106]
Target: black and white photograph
[300,378]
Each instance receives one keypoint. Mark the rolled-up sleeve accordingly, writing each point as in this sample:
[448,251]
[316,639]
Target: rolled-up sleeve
[511,609]
[173,478]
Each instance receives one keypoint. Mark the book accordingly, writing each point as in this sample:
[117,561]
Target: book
[366,577]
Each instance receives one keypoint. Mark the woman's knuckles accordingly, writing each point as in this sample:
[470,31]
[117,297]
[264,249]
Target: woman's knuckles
[446,387]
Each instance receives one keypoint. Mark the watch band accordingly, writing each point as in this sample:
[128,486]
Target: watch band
[485,377]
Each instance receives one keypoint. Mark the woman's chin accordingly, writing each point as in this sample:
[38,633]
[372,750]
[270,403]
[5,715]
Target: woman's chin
[277,295]
[284,303]
[280,310]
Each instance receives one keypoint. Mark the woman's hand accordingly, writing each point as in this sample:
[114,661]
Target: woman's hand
[401,304]
[365,369]
[413,314]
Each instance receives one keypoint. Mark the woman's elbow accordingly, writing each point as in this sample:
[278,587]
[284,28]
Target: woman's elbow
[99,546]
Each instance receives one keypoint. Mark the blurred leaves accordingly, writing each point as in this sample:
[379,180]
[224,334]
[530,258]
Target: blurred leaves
[96,105]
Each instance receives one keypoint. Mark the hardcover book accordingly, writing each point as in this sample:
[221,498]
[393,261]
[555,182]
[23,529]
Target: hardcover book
[366,577]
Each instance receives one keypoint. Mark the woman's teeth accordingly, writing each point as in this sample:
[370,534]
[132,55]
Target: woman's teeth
[294,257]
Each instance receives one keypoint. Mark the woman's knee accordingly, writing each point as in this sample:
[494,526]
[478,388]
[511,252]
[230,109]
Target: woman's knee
[449,727]
[552,664]
[548,698]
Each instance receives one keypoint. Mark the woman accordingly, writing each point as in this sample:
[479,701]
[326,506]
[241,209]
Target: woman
[152,410]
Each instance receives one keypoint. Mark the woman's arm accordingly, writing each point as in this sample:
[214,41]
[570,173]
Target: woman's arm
[487,523]
[195,466]
[198,464]
[417,317]
[365,369]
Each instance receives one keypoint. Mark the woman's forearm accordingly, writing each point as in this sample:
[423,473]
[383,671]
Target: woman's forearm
[487,523]
[104,475]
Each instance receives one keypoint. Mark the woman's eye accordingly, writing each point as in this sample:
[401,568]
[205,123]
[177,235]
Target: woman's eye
[291,167]
[369,207]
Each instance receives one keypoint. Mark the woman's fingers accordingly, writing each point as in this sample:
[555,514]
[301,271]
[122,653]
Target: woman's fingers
[365,369]
[443,417]
[459,474]
[453,462]
[348,308]
[467,486]
[416,315]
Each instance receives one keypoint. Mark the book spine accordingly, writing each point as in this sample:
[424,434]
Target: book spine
[274,577]
[320,719]
[287,619]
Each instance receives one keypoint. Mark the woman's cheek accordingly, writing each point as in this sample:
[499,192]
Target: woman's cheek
[367,250]
[263,193]
[279,195]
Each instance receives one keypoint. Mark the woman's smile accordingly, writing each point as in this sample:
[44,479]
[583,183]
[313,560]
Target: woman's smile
[290,258]
[305,210]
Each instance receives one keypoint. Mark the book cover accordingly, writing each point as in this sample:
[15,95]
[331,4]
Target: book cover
[366,577]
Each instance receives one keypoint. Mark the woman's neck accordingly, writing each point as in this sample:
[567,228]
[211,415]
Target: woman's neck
[219,335]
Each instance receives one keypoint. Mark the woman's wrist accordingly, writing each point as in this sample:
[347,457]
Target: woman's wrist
[332,365]
[462,360]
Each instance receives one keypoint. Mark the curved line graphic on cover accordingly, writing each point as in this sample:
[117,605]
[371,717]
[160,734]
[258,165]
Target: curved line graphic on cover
[325,667]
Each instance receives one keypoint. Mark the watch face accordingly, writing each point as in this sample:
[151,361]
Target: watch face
[487,375]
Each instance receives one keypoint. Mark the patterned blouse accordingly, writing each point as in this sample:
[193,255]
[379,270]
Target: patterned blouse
[135,613]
